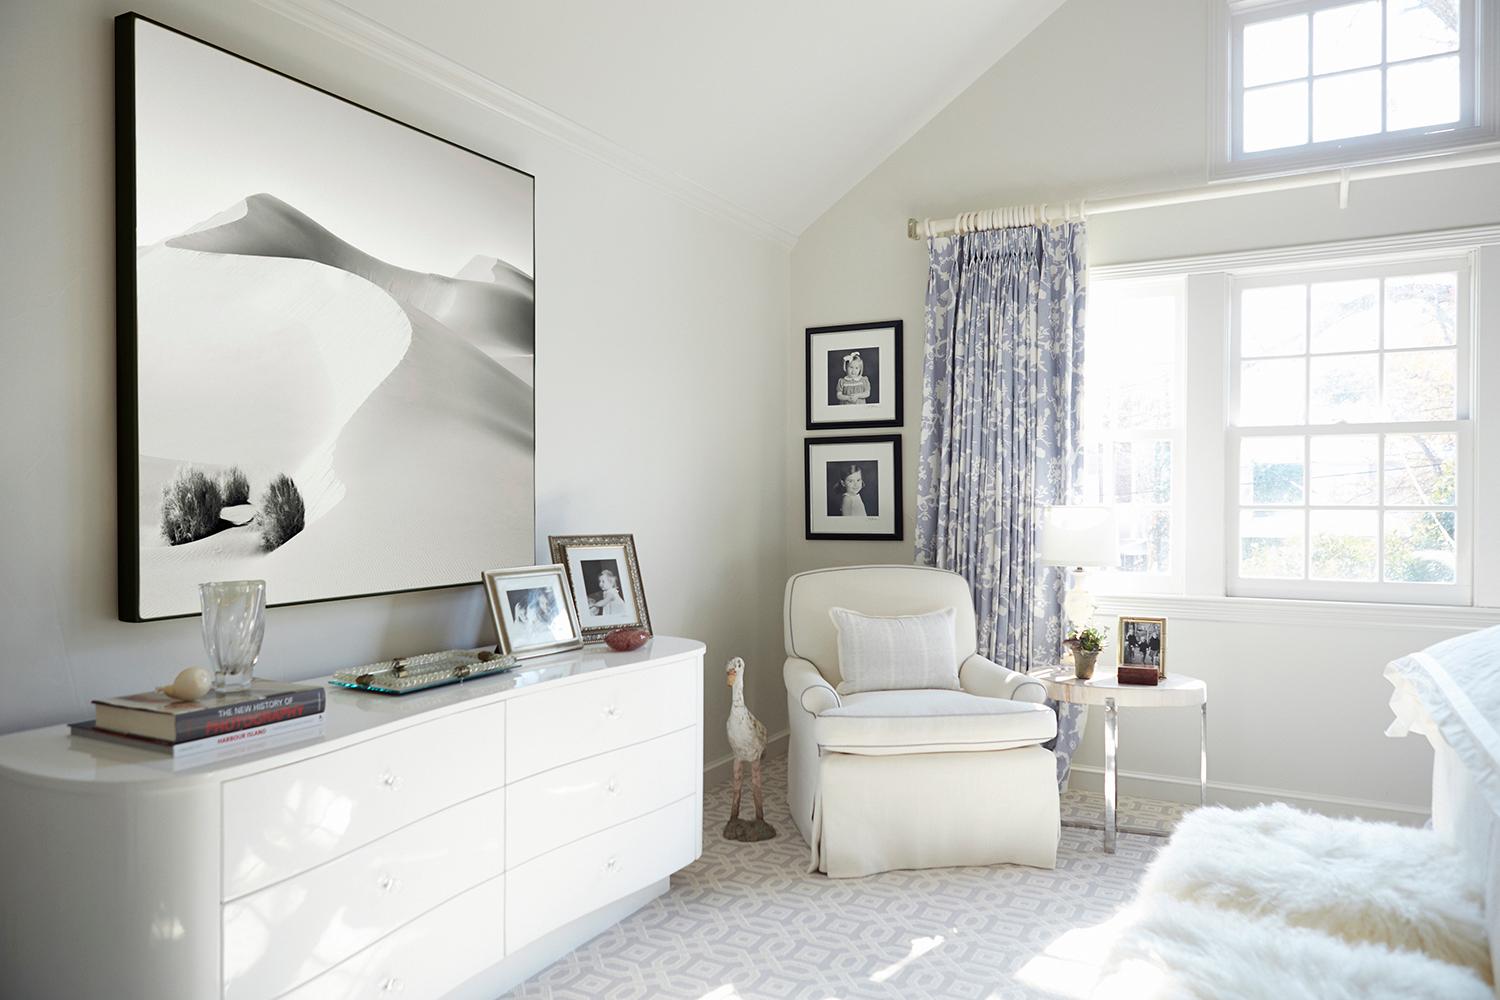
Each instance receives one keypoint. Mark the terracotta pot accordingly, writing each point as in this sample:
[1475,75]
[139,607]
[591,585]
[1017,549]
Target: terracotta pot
[1083,663]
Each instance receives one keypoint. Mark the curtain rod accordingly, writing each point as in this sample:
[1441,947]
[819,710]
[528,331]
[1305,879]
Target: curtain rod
[1025,215]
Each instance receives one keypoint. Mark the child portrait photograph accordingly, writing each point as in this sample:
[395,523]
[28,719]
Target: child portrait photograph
[854,375]
[605,578]
[853,487]
[531,610]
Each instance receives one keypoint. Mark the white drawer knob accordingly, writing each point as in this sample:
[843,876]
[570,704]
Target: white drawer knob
[391,984]
[612,787]
[611,712]
[611,865]
[390,781]
[387,883]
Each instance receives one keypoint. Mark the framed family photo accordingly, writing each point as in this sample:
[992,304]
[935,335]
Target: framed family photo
[532,612]
[853,488]
[1143,643]
[606,581]
[854,375]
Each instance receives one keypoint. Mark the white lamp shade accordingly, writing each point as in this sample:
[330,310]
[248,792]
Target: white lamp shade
[1079,536]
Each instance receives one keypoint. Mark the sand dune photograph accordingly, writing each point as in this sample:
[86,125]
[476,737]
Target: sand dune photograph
[333,340]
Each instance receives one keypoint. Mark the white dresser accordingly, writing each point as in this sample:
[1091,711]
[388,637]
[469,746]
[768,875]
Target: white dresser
[448,843]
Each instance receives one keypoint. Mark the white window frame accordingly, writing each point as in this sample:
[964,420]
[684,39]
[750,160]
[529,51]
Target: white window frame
[1457,593]
[1480,97]
[1171,582]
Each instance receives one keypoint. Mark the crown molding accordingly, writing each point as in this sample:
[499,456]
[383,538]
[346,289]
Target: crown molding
[365,35]
[1322,614]
[1409,244]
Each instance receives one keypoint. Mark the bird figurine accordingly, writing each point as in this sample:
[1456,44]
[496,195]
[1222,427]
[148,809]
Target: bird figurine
[747,741]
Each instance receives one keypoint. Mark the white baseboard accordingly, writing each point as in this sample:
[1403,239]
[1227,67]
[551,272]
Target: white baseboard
[1172,788]
[720,768]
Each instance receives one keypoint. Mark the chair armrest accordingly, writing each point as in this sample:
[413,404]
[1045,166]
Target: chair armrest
[804,683]
[989,679]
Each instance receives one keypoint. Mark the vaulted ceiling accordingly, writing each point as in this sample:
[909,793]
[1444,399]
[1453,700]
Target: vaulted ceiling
[775,108]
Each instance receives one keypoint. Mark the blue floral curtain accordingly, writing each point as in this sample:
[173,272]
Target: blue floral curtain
[1001,389]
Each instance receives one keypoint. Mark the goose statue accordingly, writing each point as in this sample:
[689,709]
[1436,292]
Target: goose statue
[747,741]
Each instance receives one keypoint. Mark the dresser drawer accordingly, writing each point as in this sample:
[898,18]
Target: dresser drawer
[284,821]
[571,881]
[580,720]
[288,933]
[570,802]
[427,959]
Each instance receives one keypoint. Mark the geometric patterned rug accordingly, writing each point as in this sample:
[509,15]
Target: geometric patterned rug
[747,922]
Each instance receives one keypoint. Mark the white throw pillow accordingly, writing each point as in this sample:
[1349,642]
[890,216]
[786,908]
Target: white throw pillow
[896,654]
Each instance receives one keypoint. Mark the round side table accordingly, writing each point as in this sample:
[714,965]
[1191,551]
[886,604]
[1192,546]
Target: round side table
[1174,691]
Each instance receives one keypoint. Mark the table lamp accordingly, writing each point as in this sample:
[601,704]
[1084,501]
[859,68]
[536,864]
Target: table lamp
[1080,537]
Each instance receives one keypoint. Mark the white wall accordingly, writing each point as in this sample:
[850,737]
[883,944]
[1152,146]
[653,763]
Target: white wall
[1110,98]
[643,305]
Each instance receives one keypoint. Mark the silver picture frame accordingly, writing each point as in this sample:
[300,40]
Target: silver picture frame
[578,553]
[533,610]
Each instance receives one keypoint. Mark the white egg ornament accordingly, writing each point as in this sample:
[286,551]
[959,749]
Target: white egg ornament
[190,685]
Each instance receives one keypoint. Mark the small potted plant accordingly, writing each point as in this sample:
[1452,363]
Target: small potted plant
[1086,644]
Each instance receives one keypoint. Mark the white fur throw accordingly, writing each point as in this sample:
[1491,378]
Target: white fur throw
[1166,949]
[1376,883]
[900,652]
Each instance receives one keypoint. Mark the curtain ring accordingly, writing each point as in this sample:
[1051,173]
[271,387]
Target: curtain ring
[1082,202]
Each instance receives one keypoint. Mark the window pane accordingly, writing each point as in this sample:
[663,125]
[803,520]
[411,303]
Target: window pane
[1422,93]
[1346,37]
[1271,470]
[1420,28]
[1273,392]
[1421,310]
[1346,315]
[1271,544]
[1421,385]
[1275,117]
[1345,470]
[1345,389]
[1131,358]
[1145,540]
[1273,321]
[1275,50]
[1419,546]
[1421,469]
[1344,544]
[1142,472]
[1346,105]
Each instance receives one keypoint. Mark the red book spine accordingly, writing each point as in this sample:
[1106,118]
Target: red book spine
[298,705]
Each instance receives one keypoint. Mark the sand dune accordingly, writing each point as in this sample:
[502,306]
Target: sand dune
[497,314]
[267,342]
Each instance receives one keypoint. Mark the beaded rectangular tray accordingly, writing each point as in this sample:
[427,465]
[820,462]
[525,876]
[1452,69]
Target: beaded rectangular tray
[409,674]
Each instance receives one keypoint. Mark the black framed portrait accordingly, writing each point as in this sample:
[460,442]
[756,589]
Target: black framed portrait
[853,487]
[854,375]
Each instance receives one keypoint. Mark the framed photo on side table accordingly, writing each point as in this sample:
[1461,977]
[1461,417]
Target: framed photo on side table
[1143,643]
[533,614]
[854,376]
[606,581]
[853,487]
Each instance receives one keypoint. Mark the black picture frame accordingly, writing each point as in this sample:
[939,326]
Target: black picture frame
[894,501]
[127,402]
[815,373]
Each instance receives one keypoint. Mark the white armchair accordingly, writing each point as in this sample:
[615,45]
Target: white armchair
[882,780]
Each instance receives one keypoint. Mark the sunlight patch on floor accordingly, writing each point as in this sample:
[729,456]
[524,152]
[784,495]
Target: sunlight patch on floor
[919,947]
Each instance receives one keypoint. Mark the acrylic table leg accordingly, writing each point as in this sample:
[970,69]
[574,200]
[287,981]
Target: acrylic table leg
[1111,789]
[1203,758]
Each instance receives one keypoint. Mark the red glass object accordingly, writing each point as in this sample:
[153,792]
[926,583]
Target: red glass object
[623,640]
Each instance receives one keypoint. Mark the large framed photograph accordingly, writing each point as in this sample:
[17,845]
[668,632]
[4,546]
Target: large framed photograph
[325,339]
[1143,643]
[606,580]
[854,376]
[853,487]
[532,612]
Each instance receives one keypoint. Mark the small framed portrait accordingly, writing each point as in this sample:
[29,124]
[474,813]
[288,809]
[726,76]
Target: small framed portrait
[533,614]
[854,376]
[606,581]
[1143,643]
[853,487]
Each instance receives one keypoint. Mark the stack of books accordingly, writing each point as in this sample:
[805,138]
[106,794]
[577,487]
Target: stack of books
[264,714]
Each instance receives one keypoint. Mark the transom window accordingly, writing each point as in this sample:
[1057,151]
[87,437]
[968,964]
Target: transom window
[1321,81]
[1349,434]
[1133,422]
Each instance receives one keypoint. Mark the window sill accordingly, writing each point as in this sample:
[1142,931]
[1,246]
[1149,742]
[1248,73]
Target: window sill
[1268,611]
